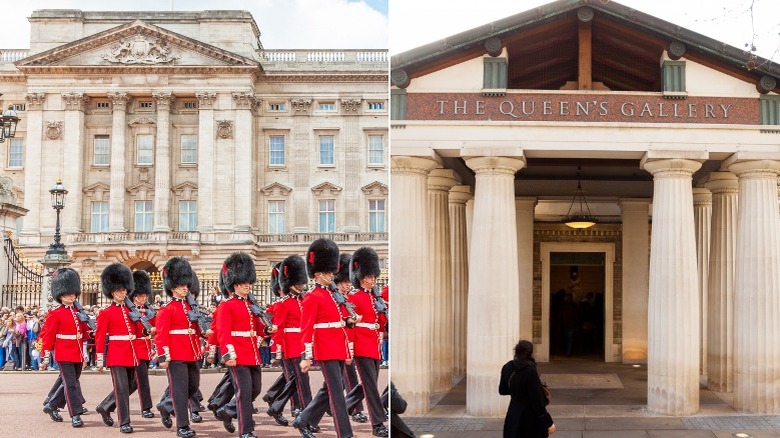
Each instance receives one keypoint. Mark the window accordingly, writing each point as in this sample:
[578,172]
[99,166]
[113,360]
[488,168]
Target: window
[328,216]
[101,148]
[16,152]
[376,106]
[18,106]
[276,107]
[376,215]
[144,149]
[327,106]
[276,217]
[102,104]
[143,216]
[145,104]
[188,215]
[376,147]
[190,104]
[326,150]
[99,217]
[189,149]
[276,157]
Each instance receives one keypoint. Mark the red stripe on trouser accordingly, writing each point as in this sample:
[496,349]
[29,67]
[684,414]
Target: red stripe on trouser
[238,400]
[331,401]
[65,388]
[359,366]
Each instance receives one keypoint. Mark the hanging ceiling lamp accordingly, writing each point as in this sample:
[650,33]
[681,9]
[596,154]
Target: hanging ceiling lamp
[581,217]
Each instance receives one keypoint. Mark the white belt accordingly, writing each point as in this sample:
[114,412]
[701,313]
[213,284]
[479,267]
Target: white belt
[329,324]
[121,338]
[292,330]
[367,325]
[188,331]
[71,337]
[244,334]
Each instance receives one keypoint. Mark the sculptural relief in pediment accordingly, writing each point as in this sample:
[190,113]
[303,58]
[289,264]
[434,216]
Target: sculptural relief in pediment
[140,49]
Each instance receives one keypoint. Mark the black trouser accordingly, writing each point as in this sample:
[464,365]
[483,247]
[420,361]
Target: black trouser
[289,391]
[277,387]
[140,383]
[183,382]
[368,368]
[350,382]
[248,385]
[123,379]
[222,393]
[70,372]
[331,394]
[167,402]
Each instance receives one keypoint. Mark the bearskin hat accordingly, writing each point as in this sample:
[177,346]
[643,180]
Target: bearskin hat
[177,271]
[238,268]
[143,284]
[65,281]
[221,285]
[365,262]
[292,271]
[343,273]
[114,277]
[195,285]
[322,256]
[275,288]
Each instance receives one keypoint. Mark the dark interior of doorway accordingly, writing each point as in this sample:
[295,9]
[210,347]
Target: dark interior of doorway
[577,306]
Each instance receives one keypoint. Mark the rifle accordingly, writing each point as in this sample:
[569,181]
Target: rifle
[150,312]
[198,315]
[341,300]
[258,310]
[83,317]
[380,305]
[136,316]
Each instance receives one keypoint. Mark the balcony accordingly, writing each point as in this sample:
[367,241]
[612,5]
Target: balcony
[13,55]
[314,60]
[310,237]
[195,237]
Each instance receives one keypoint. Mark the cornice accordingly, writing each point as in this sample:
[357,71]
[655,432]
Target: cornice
[313,77]
[139,69]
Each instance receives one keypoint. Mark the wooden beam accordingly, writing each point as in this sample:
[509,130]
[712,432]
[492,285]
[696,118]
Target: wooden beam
[584,75]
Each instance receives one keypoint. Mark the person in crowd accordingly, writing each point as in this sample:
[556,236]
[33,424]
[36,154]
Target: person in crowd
[19,341]
[527,415]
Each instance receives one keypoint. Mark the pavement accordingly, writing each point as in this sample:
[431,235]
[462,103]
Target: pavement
[593,399]
[22,394]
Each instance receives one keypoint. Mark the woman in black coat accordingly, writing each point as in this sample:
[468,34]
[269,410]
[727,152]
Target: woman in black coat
[527,416]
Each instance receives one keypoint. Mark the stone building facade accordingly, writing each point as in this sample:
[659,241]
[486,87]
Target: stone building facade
[178,133]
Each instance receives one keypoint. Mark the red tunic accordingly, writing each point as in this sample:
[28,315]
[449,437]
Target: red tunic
[329,343]
[278,336]
[142,342]
[114,322]
[237,326]
[287,317]
[184,342]
[69,347]
[367,342]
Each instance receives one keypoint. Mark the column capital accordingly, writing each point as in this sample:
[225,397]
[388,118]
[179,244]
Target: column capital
[460,194]
[244,100]
[495,165]
[701,196]
[526,203]
[442,179]
[74,101]
[671,167]
[753,169]
[119,100]
[206,100]
[34,101]
[164,99]
[300,106]
[722,183]
[412,165]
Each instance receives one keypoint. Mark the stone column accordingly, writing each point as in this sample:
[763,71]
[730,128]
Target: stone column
[524,210]
[73,159]
[636,265]
[673,302]
[162,163]
[116,200]
[244,179]
[31,230]
[411,321]
[351,139]
[206,161]
[702,218]
[440,181]
[720,289]
[493,283]
[757,286]
[459,195]
[298,156]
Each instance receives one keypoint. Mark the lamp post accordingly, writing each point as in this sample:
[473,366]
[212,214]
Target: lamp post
[8,122]
[56,257]
[58,193]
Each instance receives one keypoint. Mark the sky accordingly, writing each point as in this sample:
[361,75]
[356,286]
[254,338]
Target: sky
[414,23]
[284,24]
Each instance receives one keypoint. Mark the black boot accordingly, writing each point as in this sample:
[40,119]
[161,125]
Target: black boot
[359,417]
[303,428]
[248,435]
[278,417]
[165,417]
[227,422]
[107,420]
[185,432]
[147,413]
[75,421]
[195,417]
[53,413]
[126,428]
[380,430]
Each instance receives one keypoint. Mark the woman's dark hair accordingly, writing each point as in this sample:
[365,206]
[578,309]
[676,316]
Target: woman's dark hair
[524,350]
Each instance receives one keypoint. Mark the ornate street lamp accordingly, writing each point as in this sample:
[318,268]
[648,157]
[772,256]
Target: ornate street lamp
[58,193]
[579,217]
[8,123]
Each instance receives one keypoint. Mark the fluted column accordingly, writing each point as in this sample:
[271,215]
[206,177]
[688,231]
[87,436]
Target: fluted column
[162,163]
[720,293]
[757,288]
[411,320]
[702,218]
[635,214]
[73,158]
[459,195]
[524,211]
[440,181]
[673,304]
[244,178]
[116,200]
[493,283]
[206,173]
[33,191]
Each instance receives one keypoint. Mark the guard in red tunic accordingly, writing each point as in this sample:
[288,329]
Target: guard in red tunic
[224,391]
[324,336]
[143,350]
[240,331]
[178,343]
[65,333]
[287,317]
[363,271]
[276,396]
[114,323]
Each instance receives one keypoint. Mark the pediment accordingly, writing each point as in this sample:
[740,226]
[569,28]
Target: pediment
[326,188]
[185,189]
[276,189]
[137,44]
[142,186]
[375,188]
